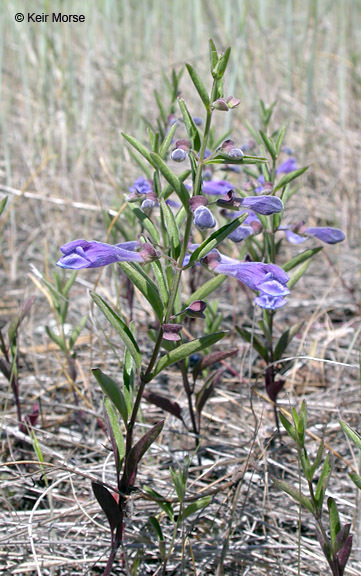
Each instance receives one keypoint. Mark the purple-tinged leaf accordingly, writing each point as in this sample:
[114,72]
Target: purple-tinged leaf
[273,388]
[211,359]
[344,554]
[137,452]
[163,403]
[108,504]
[342,536]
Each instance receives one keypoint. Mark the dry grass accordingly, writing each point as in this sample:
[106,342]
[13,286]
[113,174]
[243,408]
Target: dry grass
[67,92]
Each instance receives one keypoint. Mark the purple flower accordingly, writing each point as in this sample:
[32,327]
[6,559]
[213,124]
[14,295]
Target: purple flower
[326,234]
[241,233]
[269,279]
[178,155]
[287,166]
[80,254]
[142,186]
[297,234]
[216,187]
[203,218]
[262,204]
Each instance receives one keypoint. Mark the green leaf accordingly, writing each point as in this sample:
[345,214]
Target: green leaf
[335,524]
[167,141]
[196,506]
[280,137]
[351,433]
[200,87]
[317,461]
[256,343]
[145,285]
[173,180]
[300,258]
[139,147]
[114,424]
[213,56]
[191,128]
[168,189]
[323,481]
[172,229]
[161,108]
[356,479]
[288,426]
[285,339]
[185,350]
[269,144]
[3,204]
[206,289]
[296,276]
[221,65]
[161,281]
[295,494]
[156,527]
[76,331]
[216,238]
[146,223]
[162,503]
[120,327]
[108,504]
[114,393]
[59,340]
[222,158]
[289,177]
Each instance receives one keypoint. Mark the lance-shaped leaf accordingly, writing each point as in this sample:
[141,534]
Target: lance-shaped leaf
[196,506]
[207,389]
[211,359]
[335,524]
[220,67]
[3,204]
[352,434]
[288,426]
[115,433]
[173,180]
[108,505]
[161,501]
[280,137]
[163,403]
[285,339]
[120,327]
[57,338]
[344,554]
[216,238]
[213,56]
[139,147]
[156,527]
[145,285]
[146,223]
[295,277]
[168,189]
[200,87]
[323,481]
[295,494]
[172,229]
[191,128]
[167,141]
[289,177]
[356,479]
[269,145]
[301,258]
[223,158]
[256,343]
[207,288]
[137,452]
[186,350]
[76,331]
[114,393]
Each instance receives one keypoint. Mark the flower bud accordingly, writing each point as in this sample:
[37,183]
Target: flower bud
[196,309]
[197,201]
[203,218]
[235,153]
[178,155]
[220,104]
[232,102]
[148,253]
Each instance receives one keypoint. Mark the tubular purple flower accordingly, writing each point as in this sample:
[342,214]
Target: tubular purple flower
[297,234]
[262,204]
[287,166]
[241,233]
[326,234]
[142,186]
[269,279]
[81,253]
[216,187]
